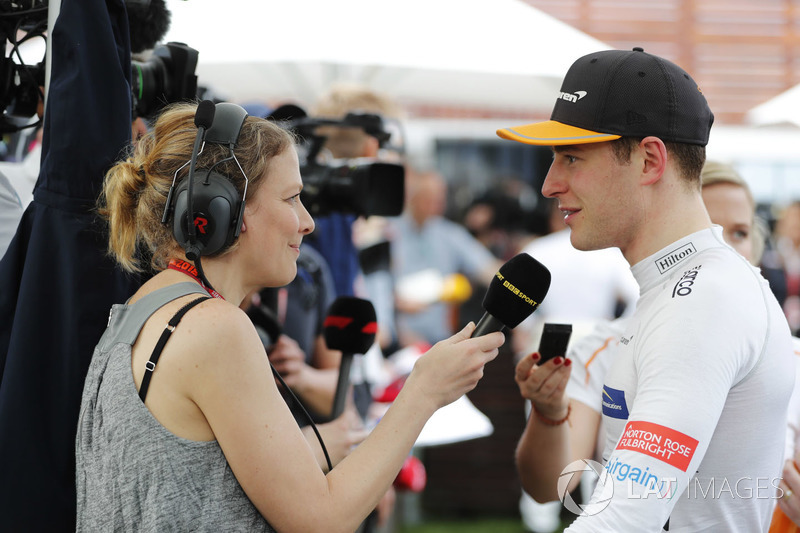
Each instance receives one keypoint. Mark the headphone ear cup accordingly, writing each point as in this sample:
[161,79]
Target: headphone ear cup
[216,206]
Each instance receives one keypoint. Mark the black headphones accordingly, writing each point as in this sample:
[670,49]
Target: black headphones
[207,194]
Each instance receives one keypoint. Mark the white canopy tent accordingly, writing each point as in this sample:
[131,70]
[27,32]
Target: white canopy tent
[771,141]
[487,54]
[783,109]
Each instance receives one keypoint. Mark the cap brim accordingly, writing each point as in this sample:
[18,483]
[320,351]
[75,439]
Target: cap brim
[552,133]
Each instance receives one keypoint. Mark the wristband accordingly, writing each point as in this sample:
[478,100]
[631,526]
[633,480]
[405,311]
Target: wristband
[550,421]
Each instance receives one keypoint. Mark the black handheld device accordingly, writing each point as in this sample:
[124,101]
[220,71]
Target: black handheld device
[554,341]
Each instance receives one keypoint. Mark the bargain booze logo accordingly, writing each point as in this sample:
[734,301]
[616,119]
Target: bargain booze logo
[663,443]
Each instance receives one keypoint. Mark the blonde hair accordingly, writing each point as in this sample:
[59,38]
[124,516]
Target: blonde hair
[135,189]
[715,172]
[344,98]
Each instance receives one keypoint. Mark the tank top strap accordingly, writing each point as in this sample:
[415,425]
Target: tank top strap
[126,320]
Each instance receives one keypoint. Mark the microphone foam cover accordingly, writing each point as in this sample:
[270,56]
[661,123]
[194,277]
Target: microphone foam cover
[516,290]
[204,116]
[148,23]
[351,325]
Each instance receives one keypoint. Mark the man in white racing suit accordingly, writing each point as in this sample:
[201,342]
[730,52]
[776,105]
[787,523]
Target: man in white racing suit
[694,403]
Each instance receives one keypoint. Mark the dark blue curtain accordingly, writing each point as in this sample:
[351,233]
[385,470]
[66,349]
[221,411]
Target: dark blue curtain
[56,284]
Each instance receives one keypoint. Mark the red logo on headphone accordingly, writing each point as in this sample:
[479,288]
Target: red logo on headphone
[200,223]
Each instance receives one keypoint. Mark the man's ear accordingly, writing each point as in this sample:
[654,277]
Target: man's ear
[653,152]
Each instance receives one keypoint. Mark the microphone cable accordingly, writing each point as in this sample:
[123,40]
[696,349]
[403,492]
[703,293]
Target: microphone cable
[202,275]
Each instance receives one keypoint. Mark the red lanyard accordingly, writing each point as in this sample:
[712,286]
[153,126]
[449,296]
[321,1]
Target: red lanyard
[190,270]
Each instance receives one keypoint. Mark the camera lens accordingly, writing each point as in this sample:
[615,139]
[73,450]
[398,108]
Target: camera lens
[167,76]
[149,81]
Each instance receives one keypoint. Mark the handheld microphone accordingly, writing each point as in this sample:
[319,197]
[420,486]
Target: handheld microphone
[515,292]
[203,118]
[350,327]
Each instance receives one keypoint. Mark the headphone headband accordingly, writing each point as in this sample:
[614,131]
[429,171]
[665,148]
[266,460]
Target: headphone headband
[228,122]
[209,196]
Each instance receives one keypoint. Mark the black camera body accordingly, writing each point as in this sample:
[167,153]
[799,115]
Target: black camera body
[19,83]
[363,187]
[167,76]
[20,94]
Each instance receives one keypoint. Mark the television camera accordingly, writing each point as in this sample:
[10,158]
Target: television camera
[361,186]
[19,83]
[168,75]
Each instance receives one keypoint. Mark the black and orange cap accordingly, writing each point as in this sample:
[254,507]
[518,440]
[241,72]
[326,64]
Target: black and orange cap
[614,93]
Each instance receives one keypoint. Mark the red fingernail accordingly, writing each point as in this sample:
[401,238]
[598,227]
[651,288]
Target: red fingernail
[535,356]
[557,360]
[567,362]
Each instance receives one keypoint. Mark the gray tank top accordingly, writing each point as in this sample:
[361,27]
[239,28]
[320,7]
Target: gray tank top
[132,473]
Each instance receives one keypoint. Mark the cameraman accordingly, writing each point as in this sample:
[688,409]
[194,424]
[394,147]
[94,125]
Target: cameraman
[341,238]
[337,234]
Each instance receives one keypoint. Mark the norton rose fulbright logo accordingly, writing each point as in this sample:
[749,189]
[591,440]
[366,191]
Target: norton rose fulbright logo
[660,442]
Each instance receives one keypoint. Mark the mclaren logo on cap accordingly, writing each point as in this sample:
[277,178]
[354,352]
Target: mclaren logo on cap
[572,97]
